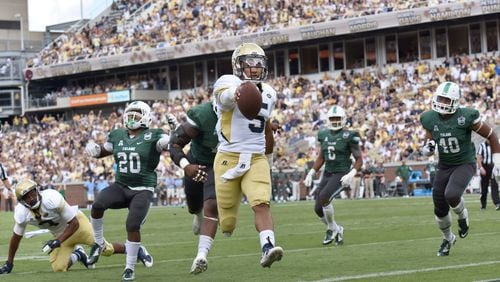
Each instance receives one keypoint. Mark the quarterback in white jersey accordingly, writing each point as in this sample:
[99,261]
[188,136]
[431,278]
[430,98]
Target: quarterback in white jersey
[240,166]
[236,132]
[48,210]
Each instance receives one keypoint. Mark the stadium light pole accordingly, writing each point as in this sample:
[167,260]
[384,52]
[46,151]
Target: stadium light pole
[20,17]
[23,106]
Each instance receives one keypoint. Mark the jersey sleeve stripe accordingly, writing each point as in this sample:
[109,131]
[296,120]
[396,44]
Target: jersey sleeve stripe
[226,120]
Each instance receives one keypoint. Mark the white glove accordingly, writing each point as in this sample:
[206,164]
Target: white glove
[429,147]
[92,149]
[496,168]
[309,178]
[172,121]
[346,180]
[162,144]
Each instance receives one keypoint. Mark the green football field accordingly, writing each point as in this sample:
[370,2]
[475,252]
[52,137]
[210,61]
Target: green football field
[385,240]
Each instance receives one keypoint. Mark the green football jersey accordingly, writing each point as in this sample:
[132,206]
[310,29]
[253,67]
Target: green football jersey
[203,146]
[336,148]
[453,135]
[136,158]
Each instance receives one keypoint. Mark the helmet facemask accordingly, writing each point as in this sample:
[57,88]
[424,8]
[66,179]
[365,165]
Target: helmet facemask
[251,58]
[337,118]
[252,67]
[28,194]
[446,99]
[137,115]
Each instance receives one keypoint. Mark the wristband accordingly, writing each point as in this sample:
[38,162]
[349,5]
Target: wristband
[183,163]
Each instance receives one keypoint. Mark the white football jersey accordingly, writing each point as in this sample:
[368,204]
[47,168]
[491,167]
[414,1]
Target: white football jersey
[54,214]
[237,133]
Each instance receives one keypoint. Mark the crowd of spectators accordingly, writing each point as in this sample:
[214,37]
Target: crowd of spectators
[383,104]
[134,25]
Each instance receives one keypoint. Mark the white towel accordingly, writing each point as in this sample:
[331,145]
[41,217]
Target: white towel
[241,168]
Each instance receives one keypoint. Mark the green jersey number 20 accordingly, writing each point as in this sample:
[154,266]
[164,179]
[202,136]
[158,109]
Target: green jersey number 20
[130,163]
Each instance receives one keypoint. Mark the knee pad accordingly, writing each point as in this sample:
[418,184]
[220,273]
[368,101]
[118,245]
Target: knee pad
[319,211]
[58,266]
[441,212]
[98,206]
[108,249]
[227,225]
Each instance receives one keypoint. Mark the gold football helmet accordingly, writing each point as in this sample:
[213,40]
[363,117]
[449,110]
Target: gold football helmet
[23,188]
[251,57]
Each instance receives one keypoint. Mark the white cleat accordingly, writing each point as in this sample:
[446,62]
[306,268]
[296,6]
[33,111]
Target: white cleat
[271,255]
[200,264]
[144,257]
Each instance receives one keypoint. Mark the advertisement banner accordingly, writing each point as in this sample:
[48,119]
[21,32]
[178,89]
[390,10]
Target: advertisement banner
[118,96]
[94,99]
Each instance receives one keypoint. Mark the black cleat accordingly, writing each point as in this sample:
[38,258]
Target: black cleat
[328,237]
[444,250]
[128,275]
[463,227]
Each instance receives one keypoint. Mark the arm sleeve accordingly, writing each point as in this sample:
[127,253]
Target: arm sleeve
[19,229]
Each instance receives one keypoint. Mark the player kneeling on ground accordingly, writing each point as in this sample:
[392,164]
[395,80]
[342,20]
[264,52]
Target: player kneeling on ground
[48,209]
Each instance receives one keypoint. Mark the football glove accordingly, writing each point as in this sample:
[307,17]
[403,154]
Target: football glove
[429,147]
[162,144]
[172,121]
[92,149]
[51,245]
[346,180]
[309,178]
[6,268]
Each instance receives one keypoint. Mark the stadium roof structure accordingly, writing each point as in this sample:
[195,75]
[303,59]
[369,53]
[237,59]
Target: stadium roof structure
[62,27]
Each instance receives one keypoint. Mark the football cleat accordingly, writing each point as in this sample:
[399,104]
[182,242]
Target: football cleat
[444,249]
[328,237]
[270,254]
[196,224]
[128,275]
[339,237]
[463,227]
[94,254]
[79,251]
[200,264]
[144,257]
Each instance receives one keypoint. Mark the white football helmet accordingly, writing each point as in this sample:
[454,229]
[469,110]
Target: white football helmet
[249,55]
[446,98]
[337,111]
[23,188]
[137,115]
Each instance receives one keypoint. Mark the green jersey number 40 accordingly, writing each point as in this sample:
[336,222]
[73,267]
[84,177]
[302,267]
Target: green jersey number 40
[449,145]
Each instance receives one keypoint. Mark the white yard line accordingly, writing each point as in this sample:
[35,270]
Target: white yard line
[406,272]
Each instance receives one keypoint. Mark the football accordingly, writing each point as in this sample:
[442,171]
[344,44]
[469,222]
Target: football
[250,100]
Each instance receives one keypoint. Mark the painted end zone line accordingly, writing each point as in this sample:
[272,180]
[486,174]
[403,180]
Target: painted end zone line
[405,272]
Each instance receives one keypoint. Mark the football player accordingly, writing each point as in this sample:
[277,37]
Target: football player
[199,185]
[48,210]
[136,150]
[240,166]
[337,144]
[448,127]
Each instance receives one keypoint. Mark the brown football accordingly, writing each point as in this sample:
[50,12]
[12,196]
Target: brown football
[250,100]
